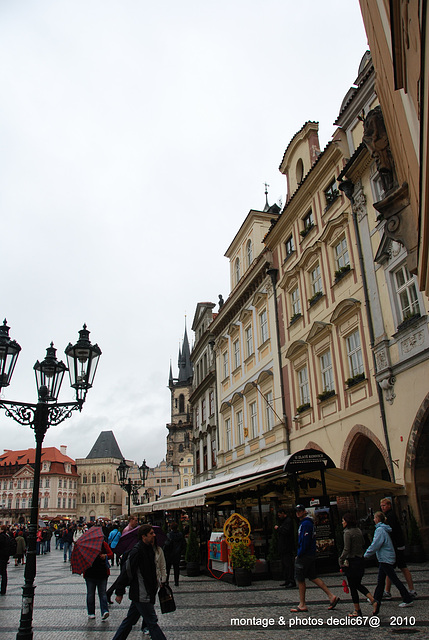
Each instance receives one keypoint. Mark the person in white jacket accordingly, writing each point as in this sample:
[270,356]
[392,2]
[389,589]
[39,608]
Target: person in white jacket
[382,547]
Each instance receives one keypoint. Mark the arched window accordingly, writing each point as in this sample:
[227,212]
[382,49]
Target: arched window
[93,498]
[181,403]
[83,498]
[84,479]
[249,252]
[102,498]
[103,477]
[94,478]
[237,270]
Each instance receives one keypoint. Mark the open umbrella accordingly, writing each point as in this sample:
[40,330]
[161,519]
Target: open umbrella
[86,549]
[129,539]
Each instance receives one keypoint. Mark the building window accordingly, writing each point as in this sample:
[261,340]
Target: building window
[228,433]
[316,280]
[327,372]
[407,293]
[236,348]
[45,503]
[303,386]
[102,498]
[308,223]
[69,503]
[225,364]
[92,498]
[203,410]
[211,403]
[93,479]
[237,270]
[181,403]
[18,485]
[289,246]
[46,482]
[331,194]
[60,483]
[295,302]
[341,252]
[263,323]
[213,449]
[249,253]
[240,434]
[17,503]
[249,340]
[269,410]
[197,418]
[83,499]
[205,458]
[354,354]
[103,477]
[253,419]
[84,479]
[59,501]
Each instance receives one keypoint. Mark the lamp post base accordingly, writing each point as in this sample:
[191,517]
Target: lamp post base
[25,631]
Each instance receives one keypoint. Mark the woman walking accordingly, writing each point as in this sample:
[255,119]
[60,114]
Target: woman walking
[96,578]
[383,548]
[352,562]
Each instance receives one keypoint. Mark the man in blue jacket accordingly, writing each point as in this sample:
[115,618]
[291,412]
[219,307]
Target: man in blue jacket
[305,561]
[139,572]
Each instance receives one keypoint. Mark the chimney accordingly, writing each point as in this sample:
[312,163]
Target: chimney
[63,449]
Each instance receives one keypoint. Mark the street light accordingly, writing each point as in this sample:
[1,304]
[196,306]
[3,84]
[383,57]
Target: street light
[129,486]
[83,359]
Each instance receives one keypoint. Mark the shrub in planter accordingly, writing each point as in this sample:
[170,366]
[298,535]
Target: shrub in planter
[328,393]
[303,407]
[359,377]
[192,554]
[242,561]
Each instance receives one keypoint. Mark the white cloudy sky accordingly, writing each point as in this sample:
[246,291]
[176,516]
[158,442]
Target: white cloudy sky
[135,137]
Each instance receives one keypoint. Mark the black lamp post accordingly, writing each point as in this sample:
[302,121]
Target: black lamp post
[129,486]
[83,359]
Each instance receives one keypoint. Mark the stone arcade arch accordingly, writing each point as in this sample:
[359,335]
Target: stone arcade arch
[364,453]
[417,468]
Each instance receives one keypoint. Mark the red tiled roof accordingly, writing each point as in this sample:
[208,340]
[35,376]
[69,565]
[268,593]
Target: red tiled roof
[20,457]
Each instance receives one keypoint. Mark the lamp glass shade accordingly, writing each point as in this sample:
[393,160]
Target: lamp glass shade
[82,360]
[49,374]
[143,470]
[9,352]
[122,471]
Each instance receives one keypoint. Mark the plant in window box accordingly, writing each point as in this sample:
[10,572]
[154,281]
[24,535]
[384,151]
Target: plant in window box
[327,393]
[295,317]
[350,382]
[409,318]
[315,298]
[331,196]
[341,272]
[303,407]
[306,229]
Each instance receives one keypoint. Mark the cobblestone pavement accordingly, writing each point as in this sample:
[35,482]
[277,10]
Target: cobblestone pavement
[206,608]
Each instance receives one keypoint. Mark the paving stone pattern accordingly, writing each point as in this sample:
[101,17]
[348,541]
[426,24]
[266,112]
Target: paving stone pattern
[206,608]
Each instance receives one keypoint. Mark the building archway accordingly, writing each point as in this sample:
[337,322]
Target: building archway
[417,467]
[364,453]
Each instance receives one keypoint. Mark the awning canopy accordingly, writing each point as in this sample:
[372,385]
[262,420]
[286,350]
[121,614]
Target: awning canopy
[274,481]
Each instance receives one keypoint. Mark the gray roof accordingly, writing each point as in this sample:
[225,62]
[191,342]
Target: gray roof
[105,447]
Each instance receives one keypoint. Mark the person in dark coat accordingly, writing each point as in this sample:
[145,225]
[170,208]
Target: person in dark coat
[139,572]
[399,544]
[173,548]
[96,578]
[286,547]
[5,550]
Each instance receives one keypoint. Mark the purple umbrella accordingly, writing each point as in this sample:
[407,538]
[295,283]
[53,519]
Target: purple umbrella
[129,539]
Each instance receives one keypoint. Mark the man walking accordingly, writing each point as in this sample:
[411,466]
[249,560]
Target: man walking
[139,571]
[399,545]
[286,547]
[305,561]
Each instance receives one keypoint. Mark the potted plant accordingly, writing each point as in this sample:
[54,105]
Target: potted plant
[192,554]
[242,561]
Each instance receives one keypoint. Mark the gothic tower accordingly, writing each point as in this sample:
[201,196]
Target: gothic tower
[180,427]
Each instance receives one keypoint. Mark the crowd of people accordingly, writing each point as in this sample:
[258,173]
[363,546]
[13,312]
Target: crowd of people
[145,566]
[388,545]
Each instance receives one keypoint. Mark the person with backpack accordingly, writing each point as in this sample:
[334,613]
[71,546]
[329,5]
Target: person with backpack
[113,539]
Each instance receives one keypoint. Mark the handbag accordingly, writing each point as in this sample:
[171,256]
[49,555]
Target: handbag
[166,599]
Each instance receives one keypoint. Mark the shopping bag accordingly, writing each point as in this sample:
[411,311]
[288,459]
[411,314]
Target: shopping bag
[166,599]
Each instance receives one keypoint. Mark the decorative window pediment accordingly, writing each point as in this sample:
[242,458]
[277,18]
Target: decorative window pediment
[264,375]
[259,299]
[237,397]
[334,228]
[318,331]
[248,388]
[310,256]
[245,315]
[345,308]
[233,328]
[296,348]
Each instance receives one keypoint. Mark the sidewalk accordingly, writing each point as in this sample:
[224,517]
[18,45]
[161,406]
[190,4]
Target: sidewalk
[206,609]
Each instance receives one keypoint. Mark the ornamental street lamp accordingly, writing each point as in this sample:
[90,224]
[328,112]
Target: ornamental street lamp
[129,486]
[83,359]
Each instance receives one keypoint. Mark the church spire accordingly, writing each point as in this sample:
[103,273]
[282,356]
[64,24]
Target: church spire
[185,365]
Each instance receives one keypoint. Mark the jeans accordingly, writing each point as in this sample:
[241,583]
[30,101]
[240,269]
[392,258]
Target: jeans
[388,570]
[91,585]
[67,548]
[137,609]
[354,574]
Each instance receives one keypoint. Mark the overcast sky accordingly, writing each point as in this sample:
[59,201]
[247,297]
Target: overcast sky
[135,137]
